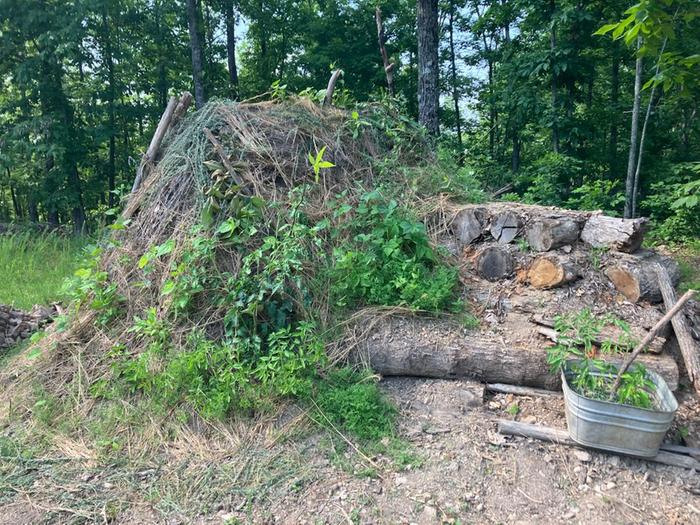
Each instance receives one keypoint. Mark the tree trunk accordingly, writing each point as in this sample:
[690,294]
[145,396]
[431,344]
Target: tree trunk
[455,89]
[381,38]
[634,131]
[640,153]
[415,346]
[505,226]
[554,85]
[428,66]
[515,154]
[229,14]
[109,59]
[614,107]
[196,50]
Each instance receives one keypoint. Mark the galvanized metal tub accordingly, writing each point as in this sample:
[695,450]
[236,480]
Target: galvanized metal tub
[619,428]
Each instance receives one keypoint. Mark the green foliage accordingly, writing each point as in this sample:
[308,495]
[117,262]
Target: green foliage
[598,194]
[91,286]
[550,179]
[389,261]
[674,204]
[33,267]
[575,354]
[353,402]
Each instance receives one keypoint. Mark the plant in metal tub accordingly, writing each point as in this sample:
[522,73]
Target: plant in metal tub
[630,416]
[616,426]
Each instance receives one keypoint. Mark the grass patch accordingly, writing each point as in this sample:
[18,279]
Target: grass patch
[34,266]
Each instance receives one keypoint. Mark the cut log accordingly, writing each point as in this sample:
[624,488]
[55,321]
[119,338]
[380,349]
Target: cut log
[494,263]
[548,234]
[689,348]
[468,224]
[505,226]
[414,346]
[635,276]
[624,235]
[560,436]
[550,271]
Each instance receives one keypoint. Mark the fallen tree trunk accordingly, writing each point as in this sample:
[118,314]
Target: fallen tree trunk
[416,346]
[550,271]
[548,234]
[624,235]
[689,348]
[635,277]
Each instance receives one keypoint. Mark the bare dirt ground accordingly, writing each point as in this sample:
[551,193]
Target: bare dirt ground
[457,469]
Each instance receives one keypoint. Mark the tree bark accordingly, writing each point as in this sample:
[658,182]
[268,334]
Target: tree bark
[640,152]
[455,89]
[634,131]
[414,346]
[230,17]
[196,50]
[428,66]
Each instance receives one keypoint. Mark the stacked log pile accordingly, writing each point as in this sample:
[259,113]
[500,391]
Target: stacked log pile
[16,325]
[522,266]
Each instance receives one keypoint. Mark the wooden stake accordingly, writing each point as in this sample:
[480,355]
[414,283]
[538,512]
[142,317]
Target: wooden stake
[650,336]
[156,141]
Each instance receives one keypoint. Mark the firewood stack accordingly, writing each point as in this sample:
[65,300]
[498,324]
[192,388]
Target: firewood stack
[16,325]
[522,266]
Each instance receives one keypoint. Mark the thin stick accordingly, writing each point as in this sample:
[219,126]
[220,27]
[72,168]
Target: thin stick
[648,339]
